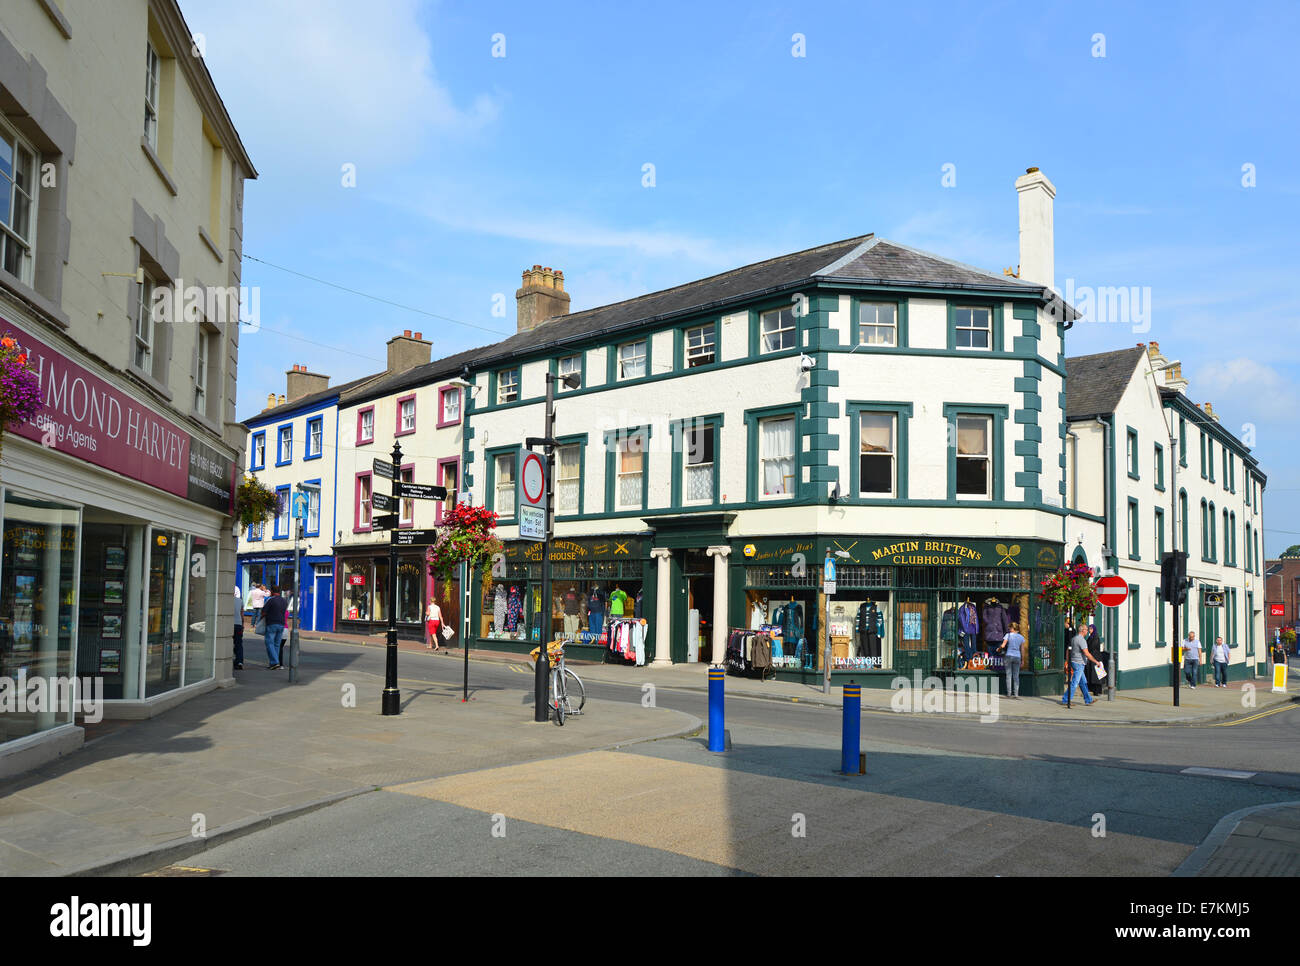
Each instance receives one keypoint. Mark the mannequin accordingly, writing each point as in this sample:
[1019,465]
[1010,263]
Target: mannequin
[870,629]
[514,608]
[571,602]
[596,609]
[617,601]
[996,625]
[499,608]
[967,628]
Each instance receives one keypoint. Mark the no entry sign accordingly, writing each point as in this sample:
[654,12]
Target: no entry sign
[1112,591]
[532,480]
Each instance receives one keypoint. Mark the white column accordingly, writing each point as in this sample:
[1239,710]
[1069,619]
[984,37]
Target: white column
[663,608]
[719,555]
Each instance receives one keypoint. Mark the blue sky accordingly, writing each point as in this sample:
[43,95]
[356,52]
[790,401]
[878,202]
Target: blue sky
[470,168]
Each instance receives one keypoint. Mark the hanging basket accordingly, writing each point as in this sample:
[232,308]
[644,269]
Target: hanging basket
[1070,589]
[467,534]
[20,386]
[255,502]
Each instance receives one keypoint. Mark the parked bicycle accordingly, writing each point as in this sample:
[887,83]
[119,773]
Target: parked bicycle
[567,693]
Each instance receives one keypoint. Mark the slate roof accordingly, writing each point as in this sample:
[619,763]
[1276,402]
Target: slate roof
[384,383]
[311,399]
[1095,383]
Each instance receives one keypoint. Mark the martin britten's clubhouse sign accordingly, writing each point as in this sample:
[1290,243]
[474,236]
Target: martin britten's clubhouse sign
[87,418]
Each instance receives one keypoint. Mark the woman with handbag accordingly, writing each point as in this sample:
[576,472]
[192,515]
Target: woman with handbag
[433,625]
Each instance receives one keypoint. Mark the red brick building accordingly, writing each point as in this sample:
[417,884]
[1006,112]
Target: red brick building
[1281,595]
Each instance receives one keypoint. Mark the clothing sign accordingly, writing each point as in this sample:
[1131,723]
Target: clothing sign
[356,580]
[89,419]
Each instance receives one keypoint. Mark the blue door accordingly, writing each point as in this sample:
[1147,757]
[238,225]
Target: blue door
[325,602]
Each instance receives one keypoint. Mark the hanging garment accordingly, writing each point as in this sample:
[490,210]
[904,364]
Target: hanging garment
[995,623]
[572,602]
[617,601]
[637,609]
[514,609]
[967,618]
[871,627]
[761,653]
[948,625]
[1013,614]
[757,616]
[596,610]
[499,608]
[792,621]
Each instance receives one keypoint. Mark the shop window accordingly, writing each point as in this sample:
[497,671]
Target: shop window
[878,323]
[37,604]
[165,617]
[974,456]
[356,590]
[632,360]
[700,346]
[973,327]
[257,459]
[568,366]
[568,479]
[699,456]
[777,456]
[315,438]
[284,445]
[366,425]
[410,590]
[507,386]
[200,611]
[362,506]
[776,330]
[876,453]
[19,163]
[504,479]
[631,472]
[108,635]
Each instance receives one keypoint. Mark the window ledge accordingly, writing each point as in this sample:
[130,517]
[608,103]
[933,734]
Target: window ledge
[22,290]
[149,381]
[55,14]
[156,161]
[212,246]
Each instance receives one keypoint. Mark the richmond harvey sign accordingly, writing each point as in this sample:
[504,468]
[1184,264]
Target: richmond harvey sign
[87,418]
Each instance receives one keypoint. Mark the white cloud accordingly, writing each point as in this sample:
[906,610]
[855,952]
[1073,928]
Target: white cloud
[1257,390]
[328,79]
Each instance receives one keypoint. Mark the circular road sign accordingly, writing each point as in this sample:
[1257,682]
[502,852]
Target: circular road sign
[533,479]
[1112,591]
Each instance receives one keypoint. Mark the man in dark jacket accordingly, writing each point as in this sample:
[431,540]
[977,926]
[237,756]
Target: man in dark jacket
[273,612]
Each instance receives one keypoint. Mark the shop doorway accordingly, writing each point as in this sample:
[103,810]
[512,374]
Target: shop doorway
[914,632]
[699,606]
[323,617]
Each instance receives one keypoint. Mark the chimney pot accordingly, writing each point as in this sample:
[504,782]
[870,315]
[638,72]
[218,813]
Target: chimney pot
[270,400]
[281,399]
[419,335]
[541,297]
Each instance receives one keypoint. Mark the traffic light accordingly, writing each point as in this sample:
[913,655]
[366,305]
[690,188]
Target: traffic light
[1173,577]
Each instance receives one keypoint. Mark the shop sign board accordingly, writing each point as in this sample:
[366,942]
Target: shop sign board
[930,551]
[88,418]
[1213,598]
[532,522]
[584,548]
[1276,610]
[356,580]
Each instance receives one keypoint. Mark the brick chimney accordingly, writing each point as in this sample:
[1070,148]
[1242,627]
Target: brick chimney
[299,382]
[1209,411]
[1037,261]
[407,351]
[541,297]
[270,400]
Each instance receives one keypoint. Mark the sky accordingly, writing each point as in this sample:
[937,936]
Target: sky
[427,153]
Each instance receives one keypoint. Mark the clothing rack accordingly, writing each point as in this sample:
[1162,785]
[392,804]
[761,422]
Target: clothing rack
[626,636]
[749,653]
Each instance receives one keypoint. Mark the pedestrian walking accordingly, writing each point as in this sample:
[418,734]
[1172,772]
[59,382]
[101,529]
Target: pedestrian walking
[1013,649]
[239,630]
[1079,655]
[256,598]
[273,615]
[433,625]
[1191,658]
[1219,655]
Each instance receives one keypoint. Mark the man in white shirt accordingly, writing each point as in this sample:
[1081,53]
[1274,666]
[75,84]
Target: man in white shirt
[1219,655]
[1191,658]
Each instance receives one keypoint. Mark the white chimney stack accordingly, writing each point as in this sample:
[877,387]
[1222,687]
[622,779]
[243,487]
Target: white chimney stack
[1037,262]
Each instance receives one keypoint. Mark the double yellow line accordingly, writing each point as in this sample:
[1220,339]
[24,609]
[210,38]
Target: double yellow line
[1254,717]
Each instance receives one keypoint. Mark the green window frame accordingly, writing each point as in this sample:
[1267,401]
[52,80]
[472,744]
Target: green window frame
[1131,449]
[1205,530]
[996,342]
[494,386]
[900,323]
[997,456]
[1160,620]
[490,473]
[1214,534]
[612,377]
[1182,441]
[1247,482]
[902,412]
[554,366]
[614,439]
[1227,469]
[1134,530]
[1160,467]
[1160,534]
[682,344]
[756,331]
[1203,476]
[678,429]
[1134,617]
[579,440]
[753,450]
[1209,451]
[1182,521]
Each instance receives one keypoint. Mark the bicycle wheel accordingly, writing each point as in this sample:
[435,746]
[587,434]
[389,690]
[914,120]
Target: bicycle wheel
[558,699]
[574,692]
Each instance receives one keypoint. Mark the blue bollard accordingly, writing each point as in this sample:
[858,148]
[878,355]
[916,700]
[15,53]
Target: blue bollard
[852,733]
[717,718]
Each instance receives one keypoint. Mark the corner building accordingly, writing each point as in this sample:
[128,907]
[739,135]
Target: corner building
[893,409]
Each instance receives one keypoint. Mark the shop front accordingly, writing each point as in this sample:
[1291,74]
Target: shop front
[112,518]
[315,583]
[363,592]
[900,605]
[600,599]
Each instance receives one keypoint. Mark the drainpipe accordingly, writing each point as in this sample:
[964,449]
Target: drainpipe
[1112,562]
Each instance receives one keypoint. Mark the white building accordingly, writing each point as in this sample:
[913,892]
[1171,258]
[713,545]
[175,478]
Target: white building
[1135,489]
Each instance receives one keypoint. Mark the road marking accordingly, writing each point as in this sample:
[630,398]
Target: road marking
[1217,773]
[1254,717]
